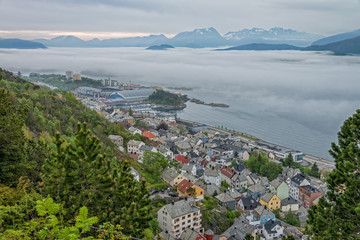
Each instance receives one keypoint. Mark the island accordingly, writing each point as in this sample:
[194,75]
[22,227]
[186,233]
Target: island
[197,101]
[160,47]
[167,100]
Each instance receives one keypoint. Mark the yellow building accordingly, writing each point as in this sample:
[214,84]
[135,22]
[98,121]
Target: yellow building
[271,201]
[183,189]
[76,77]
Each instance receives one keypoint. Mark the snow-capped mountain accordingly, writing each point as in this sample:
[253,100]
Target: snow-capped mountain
[206,37]
[272,36]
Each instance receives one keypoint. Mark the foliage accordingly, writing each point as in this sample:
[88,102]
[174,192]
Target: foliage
[277,213]
[288,238]
[219,221]
[48,224]
[191,192]
[339,216]
[210,203]
[263,166]
[80,172]
[292,219]
[60,81]
[154,163]
[248,236]
[167,98]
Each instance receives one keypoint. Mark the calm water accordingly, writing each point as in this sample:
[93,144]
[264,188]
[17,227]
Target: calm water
[295,99]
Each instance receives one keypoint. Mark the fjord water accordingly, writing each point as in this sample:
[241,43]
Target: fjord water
[295,99]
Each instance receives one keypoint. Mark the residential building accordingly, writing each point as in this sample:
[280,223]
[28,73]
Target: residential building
[260,215]
[227,173]
[226,201]
[190,234]
[307,194]
[76,77]
[177,216]
[212,176]
[182,159]
[149,135]
[183,190]
[271,201]
[146,148]
[133,130]
[279,188]
[239,181]
[256,191]
[171,176]
[68,75]
[248,203]
[117,140]
[238,230]
[272,229]
[133,146]
[297,181]
[289,204]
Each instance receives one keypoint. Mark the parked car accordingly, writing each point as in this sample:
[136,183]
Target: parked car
[154,192]
[172,194]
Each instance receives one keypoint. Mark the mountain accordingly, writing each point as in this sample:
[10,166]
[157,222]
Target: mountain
[262,47]
[348,46]
[272,36]
[160,47]
[198,38]
[134,41]
[62,41]
[19,44]
[337,37]
[71,41]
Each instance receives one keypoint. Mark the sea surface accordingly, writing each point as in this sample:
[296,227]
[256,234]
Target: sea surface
[295,99]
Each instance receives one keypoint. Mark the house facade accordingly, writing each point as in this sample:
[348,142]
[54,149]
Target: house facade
[271,201]
[296,182]
[177,216]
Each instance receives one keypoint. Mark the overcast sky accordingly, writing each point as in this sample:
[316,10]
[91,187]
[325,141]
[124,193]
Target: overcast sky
[30,19]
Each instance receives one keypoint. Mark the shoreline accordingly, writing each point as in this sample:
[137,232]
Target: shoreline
[323,164]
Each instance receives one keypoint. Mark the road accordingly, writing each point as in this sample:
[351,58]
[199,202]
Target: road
[322,163]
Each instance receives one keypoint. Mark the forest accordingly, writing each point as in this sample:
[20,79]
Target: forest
[60,175]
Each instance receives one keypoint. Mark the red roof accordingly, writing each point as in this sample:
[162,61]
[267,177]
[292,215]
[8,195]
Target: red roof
[182,159]
[148,135]
[173,123]
[229,172]
[204,163]
[184,185]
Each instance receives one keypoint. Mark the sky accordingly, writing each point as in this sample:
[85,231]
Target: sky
[30,19]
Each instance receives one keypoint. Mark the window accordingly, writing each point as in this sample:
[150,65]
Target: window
[183,218]
[189,215]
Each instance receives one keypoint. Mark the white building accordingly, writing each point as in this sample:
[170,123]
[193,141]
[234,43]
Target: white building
[177,216]
[297,181]
[212,176]
[133,146]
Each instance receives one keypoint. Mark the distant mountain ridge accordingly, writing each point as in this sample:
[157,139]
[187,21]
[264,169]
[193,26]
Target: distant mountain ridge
[337,37]
[19,44]
[275,35]
[348,46]
[197,38]
[262,47]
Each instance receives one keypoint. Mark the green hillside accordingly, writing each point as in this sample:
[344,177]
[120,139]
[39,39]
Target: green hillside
[52,164]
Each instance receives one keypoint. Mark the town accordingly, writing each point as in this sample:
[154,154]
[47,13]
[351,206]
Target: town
[205,181]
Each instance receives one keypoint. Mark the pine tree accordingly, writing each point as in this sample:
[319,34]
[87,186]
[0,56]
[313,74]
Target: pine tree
[79,173]
[339,216]
[12,139]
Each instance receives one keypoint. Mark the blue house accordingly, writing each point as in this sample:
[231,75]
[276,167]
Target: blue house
[261,215]
[256,191]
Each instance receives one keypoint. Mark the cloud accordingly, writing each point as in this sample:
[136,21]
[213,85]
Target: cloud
[171,17]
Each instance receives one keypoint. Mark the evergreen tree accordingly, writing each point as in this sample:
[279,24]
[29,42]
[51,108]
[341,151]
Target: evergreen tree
[339,216]
[12,139]
[79,173]
[315,168]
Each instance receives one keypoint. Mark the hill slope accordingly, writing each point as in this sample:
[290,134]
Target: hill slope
[337,37]
[20,44]
[262,47]
[349,46]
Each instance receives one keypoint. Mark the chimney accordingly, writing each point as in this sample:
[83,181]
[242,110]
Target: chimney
[172,202]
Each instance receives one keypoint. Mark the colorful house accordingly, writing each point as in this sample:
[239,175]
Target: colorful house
[182,159]
[279,188]
[307,194]
[184,186]
[270,200]
[149,135]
